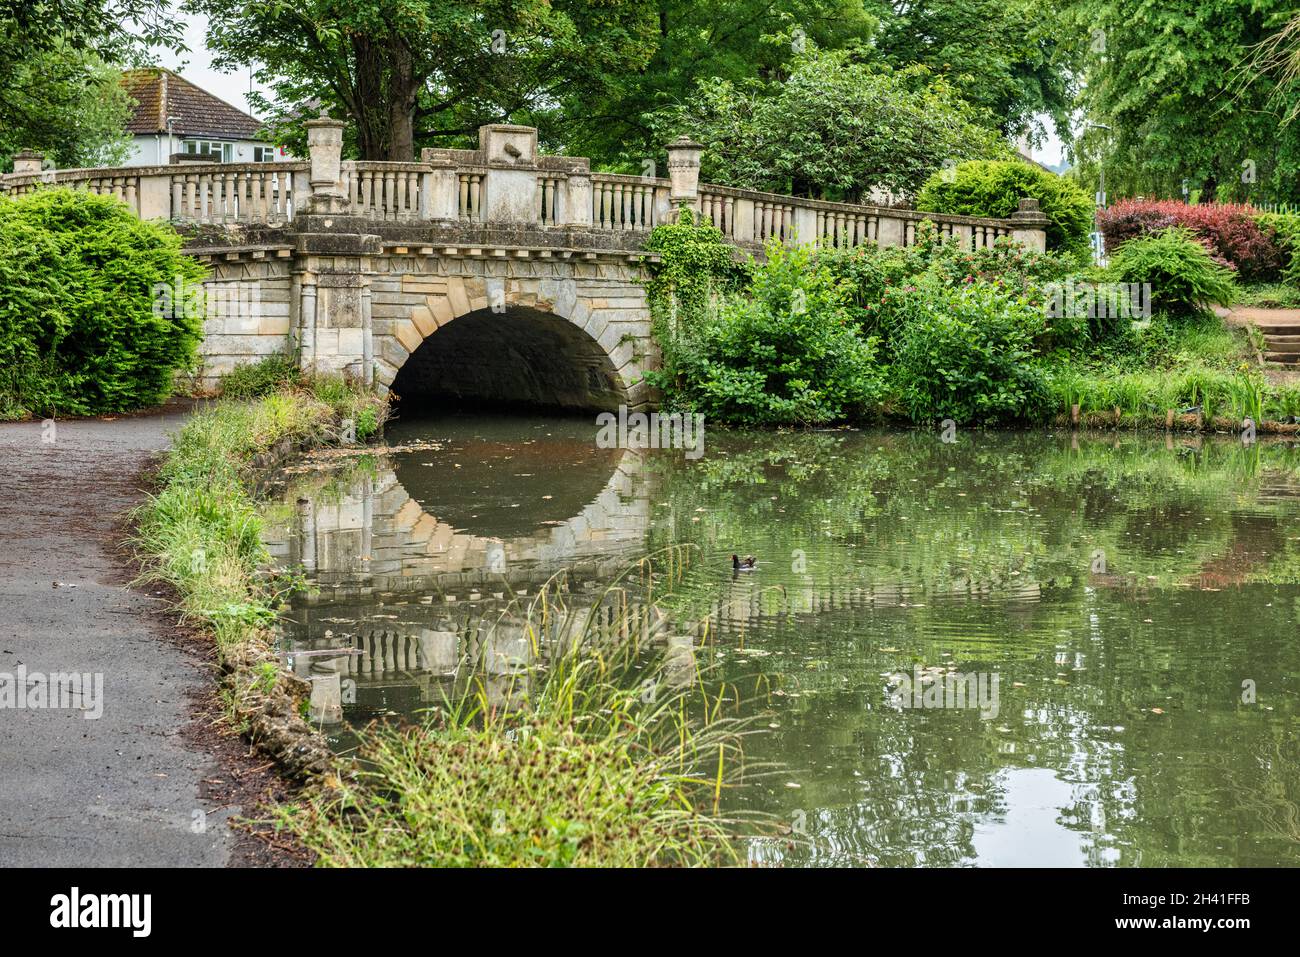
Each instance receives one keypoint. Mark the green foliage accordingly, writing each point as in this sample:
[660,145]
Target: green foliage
[1286,230]
[786,352]
[68,105]
[833,127]
[201,532]
[1008,57]
[1268,295]
[968,354]
[1178,86]
[880,277]
[734,40]
[994,189]
[83,327]
[1184,279]
[252,380]
[695,265]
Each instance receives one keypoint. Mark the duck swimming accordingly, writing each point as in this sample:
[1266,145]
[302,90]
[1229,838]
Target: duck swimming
[746,564]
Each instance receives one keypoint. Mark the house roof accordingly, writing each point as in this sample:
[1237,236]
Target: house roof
[160,93]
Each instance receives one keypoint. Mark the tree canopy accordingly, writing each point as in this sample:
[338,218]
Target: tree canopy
[834,128]
[1175,84]
[409,73]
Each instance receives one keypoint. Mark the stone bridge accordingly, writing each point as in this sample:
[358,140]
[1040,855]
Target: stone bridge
[490,274]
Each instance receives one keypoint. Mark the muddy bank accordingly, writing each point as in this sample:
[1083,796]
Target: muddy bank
[150,782]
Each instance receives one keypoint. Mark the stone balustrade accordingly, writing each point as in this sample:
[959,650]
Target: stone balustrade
[505,182]
[189,192]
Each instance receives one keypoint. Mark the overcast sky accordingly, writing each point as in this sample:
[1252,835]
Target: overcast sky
[196,66]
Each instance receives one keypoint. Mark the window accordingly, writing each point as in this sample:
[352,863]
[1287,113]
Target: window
[263,154]
[215,150]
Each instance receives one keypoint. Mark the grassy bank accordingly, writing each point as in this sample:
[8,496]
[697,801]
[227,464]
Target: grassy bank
[201,533]
[612,753]
[605,758]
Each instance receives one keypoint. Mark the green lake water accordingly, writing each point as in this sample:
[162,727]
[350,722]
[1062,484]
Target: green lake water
[1136,598]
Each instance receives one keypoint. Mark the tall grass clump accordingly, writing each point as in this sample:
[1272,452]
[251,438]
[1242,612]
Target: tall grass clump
[250,380]
[201,531]
[611,755]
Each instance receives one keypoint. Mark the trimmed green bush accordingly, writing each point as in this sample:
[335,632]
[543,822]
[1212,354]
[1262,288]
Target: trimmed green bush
[1184,279]
[994,188]
[98,310]
[968,355]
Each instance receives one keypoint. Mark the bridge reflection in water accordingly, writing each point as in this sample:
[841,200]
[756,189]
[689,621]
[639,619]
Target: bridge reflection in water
[402,601]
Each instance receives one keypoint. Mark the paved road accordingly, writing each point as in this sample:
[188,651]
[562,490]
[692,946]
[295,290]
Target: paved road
[121,790]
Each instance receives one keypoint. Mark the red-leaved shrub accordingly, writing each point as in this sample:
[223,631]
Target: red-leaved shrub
[1231,233]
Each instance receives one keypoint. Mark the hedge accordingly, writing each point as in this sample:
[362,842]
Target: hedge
[90,319]
[994,188]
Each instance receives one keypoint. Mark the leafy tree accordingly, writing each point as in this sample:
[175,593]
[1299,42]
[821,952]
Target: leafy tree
[407,73]
[835,128]
[1005,56]
[695,40]
[1161,76]
[58,94]
[69,105]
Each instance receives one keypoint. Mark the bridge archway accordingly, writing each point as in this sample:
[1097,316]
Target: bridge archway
[518,356]
[564,342]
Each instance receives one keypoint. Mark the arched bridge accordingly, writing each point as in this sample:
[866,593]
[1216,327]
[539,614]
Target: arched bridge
[496,273]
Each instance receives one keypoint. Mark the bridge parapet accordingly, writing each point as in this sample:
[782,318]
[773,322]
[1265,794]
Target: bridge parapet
[506,182]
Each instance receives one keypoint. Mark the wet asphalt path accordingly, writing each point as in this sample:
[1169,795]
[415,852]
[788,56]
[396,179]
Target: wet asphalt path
[122,790]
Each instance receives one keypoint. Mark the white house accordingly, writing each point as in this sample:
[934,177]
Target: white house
[173,116]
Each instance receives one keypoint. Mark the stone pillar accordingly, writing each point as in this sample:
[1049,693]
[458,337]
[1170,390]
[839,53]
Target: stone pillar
[684,174]
[805,225]
[27,162]
[1029,226]
[444,189]
[326,692]
[325,146]
[576,197]
[510,187]
[367,338]
[889,231]
[307,324]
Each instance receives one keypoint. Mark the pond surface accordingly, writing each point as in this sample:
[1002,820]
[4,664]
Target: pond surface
[1136,599]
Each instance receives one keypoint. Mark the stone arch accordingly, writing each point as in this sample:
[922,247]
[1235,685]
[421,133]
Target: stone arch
[587,341]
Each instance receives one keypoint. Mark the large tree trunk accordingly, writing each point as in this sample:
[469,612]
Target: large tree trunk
[402,92]
[370,116]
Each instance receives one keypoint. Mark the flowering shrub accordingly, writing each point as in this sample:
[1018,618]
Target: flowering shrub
[1232,234]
